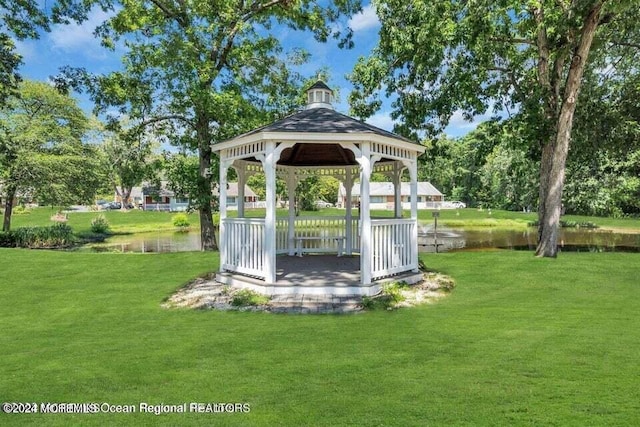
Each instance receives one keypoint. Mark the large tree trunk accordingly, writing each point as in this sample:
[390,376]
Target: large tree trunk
[554,153]
[207,231]
[124,198]
[8,207]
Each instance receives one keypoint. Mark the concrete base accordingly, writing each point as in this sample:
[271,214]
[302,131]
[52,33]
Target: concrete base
[315,275]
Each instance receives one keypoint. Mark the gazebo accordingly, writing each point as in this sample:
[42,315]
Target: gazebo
[264,254]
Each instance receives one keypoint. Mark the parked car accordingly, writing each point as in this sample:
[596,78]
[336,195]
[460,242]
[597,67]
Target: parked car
[323,204]
[113,205]
[458,204]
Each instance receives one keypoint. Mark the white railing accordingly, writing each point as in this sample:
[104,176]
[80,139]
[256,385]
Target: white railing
[393,247]
[320,234]
[165,207]
[244,245]
[393,242]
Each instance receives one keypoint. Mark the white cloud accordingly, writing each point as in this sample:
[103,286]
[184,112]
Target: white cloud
[364,20]
[382,120]
[27,49]
[79,37]
[458,125]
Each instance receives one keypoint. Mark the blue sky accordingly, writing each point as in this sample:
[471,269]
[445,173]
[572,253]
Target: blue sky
[75,45]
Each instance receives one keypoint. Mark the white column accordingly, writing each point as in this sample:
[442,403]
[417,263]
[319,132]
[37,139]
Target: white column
[222,193]
[348,185]
[365,214]
[291,195]
[242,180]
[413,172]
[397,190]
[269,166]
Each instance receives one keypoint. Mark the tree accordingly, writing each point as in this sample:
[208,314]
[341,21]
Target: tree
[208,70]
[23,19]
[439,57]
[41,149]
[128,154]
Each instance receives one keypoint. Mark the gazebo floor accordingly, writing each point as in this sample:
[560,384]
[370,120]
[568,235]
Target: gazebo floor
[314,275]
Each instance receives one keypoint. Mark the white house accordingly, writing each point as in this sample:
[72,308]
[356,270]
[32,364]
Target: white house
[164,199]
[381,195]
[250,198]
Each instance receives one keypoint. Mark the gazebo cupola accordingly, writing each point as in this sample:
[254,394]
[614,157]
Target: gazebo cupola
[319,95]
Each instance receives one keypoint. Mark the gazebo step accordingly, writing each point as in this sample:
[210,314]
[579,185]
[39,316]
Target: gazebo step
[315,303]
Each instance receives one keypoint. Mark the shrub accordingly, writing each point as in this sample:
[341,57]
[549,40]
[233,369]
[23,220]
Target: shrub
[55,236]
[181,221]
[100,225]
[20,210]
[6,239]
[246,297]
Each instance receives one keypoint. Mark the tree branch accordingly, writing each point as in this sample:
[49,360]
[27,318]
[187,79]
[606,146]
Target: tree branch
[512,40]
[167,117]
[170,14]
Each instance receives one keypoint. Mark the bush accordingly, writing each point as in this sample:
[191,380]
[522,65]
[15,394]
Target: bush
[55,236]
[6,239]
[246,297]
[181,221]
[20,210]
[100,225]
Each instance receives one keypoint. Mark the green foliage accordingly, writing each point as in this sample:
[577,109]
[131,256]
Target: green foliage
[387,299]
[128,157]
[307,194]
[100,225]
[6,239]
[54,236]
[21,210]
[231,76]
[181,171]
[181,221]
[247,297]
[24,19]
[42,149]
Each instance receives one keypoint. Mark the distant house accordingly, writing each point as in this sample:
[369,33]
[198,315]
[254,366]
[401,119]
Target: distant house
[250,198]
[163,199]
[382,194]
[135,198]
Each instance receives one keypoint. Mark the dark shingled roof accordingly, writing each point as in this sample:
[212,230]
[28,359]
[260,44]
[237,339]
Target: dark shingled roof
[323,120]
[320,85]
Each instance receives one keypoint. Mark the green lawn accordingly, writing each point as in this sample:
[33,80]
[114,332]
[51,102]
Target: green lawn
[136,221]
[520,341]
[133,221]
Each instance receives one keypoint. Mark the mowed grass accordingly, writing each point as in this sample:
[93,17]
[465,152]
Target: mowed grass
[138,221]
[520,341]
[132,221]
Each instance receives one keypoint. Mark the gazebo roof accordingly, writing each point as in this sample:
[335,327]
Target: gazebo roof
[319,135]
[323,120]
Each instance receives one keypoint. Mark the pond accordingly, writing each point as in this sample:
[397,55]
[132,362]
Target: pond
[571,239]
[448,239]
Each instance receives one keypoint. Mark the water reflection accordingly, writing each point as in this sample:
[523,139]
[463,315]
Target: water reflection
[570,239]
[447,239]
[150,242]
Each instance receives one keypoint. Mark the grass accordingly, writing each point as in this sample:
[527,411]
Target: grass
[137,221]
[133,221]
[520,341]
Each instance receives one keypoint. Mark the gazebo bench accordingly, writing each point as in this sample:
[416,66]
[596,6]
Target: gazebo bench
[301,239]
